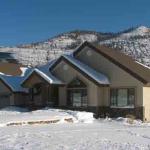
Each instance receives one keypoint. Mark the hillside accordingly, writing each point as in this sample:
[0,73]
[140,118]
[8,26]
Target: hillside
[134,42]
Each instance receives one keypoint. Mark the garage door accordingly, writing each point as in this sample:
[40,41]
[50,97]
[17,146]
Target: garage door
[4,100]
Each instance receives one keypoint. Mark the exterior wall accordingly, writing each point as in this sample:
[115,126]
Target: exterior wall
[146,103]
[95,95]
[32,80]
[15,99]
[118,77]
[4,90]
[40,99]
[20,99]
[62,96]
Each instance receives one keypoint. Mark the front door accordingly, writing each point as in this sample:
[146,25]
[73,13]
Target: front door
[77,97]
[77,93]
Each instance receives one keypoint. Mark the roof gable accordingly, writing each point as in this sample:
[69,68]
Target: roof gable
[44,77]
[121,60]
[89,73]
[13,83]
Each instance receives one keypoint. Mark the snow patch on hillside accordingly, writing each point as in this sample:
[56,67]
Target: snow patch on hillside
[139,31]
[135,43]
[87,37]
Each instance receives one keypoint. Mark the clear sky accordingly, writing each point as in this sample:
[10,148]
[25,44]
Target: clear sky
[25,21]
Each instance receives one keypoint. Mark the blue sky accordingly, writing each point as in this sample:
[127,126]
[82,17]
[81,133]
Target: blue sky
[25,21]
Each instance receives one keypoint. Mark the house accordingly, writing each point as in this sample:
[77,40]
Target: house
[93,78]
[11,91]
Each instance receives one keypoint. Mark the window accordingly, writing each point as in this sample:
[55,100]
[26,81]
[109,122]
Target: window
[37,89]
[77,93]
[123,97]
[76,83]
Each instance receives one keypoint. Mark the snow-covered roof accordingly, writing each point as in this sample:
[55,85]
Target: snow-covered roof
[14,82]
[44,72]
[45,68]
[24,70]
[97,76]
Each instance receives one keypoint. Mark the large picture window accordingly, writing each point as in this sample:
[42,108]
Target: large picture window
[123,97]
[77,93]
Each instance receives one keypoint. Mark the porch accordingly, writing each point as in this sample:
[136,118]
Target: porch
[42,92]
[41,95]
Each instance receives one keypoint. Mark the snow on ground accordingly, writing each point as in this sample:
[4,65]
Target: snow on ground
[13,115]
[101,134]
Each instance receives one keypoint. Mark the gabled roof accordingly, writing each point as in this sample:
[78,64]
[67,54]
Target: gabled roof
[123,61]
[13,83]
[87,71]
[46,75]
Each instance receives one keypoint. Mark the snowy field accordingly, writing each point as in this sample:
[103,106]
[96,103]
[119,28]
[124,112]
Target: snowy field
[54,129]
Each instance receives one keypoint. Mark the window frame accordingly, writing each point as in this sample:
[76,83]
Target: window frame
[119,88]
[83,89]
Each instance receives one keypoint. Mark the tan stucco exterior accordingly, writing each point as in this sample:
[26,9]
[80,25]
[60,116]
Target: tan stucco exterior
[146,103]
[94,93]
[33,79]
[117,76]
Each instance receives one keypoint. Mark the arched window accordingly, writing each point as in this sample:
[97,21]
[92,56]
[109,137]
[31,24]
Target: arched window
[77,93]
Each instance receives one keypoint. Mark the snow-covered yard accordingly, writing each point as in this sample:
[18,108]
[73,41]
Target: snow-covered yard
[73,130]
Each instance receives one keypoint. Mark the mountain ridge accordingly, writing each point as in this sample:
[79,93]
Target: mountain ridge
[134,42]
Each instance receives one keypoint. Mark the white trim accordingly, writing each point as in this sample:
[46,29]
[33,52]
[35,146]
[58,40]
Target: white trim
[143,65]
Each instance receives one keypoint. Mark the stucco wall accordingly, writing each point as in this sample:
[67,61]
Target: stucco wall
[33,79]
[67,75]
[20,99]
[62,96]
[118,77]
[146,103]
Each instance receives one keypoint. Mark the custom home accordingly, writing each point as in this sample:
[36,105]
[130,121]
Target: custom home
[93,78]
